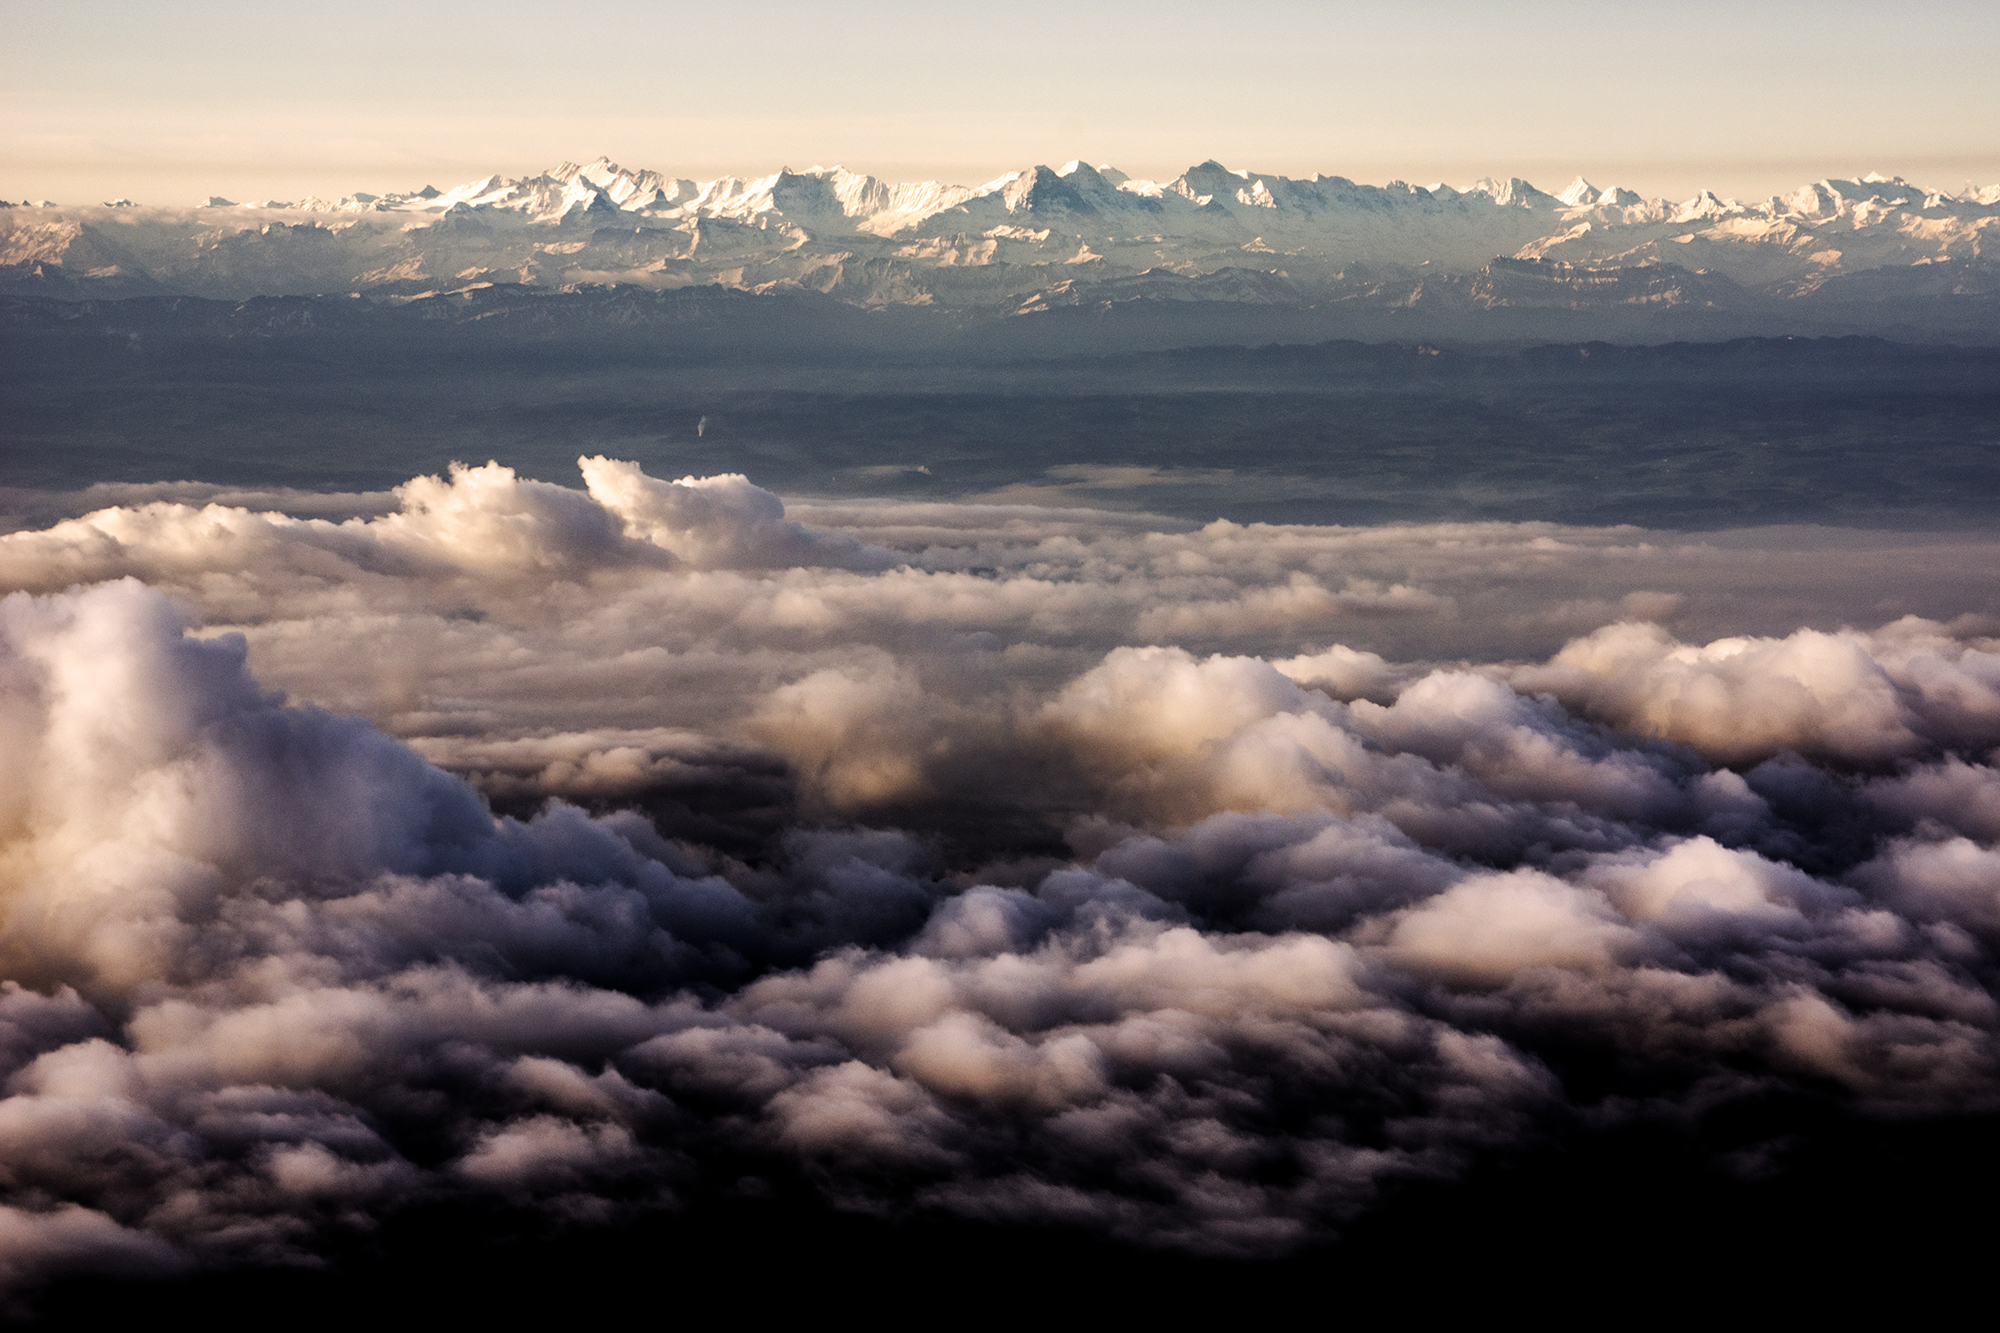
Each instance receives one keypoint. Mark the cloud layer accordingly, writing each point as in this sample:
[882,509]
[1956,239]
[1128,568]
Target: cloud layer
[1026,865]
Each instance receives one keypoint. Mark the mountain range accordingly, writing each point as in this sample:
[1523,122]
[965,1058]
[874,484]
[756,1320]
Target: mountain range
[1834,255]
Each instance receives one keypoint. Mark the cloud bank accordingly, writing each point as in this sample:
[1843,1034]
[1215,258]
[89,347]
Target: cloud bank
[1035,866]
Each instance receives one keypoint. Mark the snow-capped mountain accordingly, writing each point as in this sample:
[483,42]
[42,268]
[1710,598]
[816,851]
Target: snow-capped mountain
[1026,241]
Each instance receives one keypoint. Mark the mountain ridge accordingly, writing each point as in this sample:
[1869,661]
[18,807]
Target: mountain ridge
[1034,239]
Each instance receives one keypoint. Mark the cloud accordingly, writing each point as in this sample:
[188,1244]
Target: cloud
[37,1246]
[718,522]
[1485,930]
[1909,687]
[606,846]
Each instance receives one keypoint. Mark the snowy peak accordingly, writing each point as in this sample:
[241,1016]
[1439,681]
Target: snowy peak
[1087,180]
[1517,193]
[1704,207]
[581,203]
[820,198]
[1579,191]
[1207,180]
[1103,170]
[632,190]
[1042,189]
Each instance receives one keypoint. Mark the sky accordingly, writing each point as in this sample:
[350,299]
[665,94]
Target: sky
[165,104]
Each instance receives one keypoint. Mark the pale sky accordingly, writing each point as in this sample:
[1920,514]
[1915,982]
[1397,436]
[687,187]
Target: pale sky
[166,103]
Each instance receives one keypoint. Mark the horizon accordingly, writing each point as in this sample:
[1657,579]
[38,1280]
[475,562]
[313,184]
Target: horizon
[1461,184]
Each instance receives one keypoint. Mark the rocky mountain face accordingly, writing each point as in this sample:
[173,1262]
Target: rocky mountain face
[1873,252]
